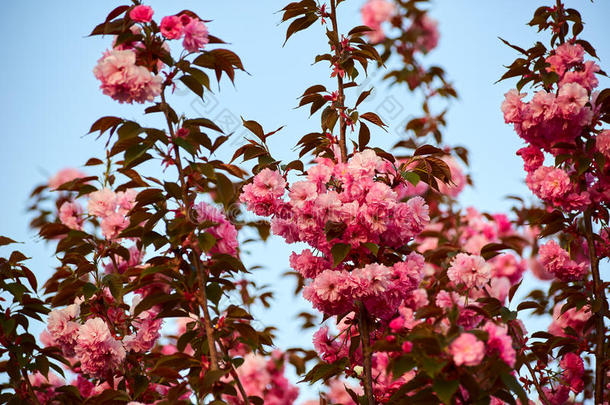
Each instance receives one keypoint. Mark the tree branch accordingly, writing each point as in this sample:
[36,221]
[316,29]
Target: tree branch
[600,308]
[340,88]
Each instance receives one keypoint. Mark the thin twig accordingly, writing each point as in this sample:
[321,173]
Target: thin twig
[341,91]
[367,353]
[602,307]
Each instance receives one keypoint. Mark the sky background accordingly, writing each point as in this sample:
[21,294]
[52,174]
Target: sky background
[49,99]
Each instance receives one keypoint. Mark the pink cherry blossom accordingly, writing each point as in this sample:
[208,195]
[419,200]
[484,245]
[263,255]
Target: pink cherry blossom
[65,176]
[467,350]
[573,371]
[499,342]
[70,214]
[557,262]
[195,35]
[125,81]
[141,13]
[469,270]
[98,352]
[102,203]
[171,27]
[113,224]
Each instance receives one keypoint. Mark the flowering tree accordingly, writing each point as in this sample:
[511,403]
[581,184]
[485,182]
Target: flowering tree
[151,303]
[564,121]
[145,250]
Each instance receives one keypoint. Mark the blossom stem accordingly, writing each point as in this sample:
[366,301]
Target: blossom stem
[233,372]
[203,299]
[207,323]
[600,310]
[367,353]
[341,91]
[541,395]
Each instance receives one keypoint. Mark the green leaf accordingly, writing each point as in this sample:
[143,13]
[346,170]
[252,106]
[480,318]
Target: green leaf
[444,389]
[339,252]
[411,177]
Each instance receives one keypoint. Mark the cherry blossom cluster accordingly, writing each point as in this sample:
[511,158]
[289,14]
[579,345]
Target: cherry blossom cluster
[552,122]
[421,27]
[92,341]
[357,198]
[129,72]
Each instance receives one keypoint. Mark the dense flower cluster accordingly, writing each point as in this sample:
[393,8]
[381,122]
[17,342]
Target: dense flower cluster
[192,29]
[375,13]
[549,118]
[352,199]
[124,80]
[552,122]
[557,262]
[129,73]
[92,342]
[467,350]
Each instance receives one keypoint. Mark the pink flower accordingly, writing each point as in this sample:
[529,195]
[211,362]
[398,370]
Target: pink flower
[532,157]
[375,12]
[573,371]
[141,13]
[572,98]
[70,214]
[558,395]
[554,186]
[113,224]
[574,318]
[65,176]
[499,341]
[98,352]
[307,264]
[467,350]
[458,178]
[147,332]
[586,77]
[557,262]
[224,231]
[302,192]
[171,27]
[46,392]
[195,35]
[513,106]
[126,200]
[125,81]
[102,203]
[427,36]
[331,292]
[63,328]
[571,54]
[602,143]
[327,348]
[470,270]
[265,379]
[565,56]
[263,194]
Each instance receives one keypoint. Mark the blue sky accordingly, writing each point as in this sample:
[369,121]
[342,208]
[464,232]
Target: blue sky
[49,98]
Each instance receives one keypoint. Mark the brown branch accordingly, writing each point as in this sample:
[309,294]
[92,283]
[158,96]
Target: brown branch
[341,91]
[202,298]
[367,353]
[601,305]
[207,321]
